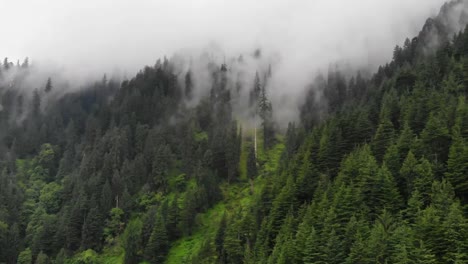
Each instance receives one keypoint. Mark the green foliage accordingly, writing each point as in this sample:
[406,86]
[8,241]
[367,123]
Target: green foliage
[114,224]
[44,164]
[86,257]
[201,136]
[92,229]
[25,257]
[42,258]
[158,244]
[383,138]
[251,164]
[50,197]
[131,241]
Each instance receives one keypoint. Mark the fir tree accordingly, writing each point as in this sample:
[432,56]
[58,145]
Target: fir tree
[158,244]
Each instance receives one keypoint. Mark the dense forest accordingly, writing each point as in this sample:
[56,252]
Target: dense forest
[375,171]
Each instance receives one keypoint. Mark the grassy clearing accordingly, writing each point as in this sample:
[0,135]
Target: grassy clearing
[187,247]
[237,197]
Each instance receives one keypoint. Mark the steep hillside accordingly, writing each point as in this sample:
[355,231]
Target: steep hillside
[146,172]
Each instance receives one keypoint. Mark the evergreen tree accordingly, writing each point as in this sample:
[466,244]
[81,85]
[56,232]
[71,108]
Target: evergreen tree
[265,113]
[172,220]
[158,244]
[456,164]
[61,257]
[131,240]
[48,86]
[255,93]
[436,137]
[188,85]
[25,257]
[311,254]
[455,235]
[114,224]
[219,239]
[42,258]
[408,174]
[383,139]
[232,244]
[36,104]
[92,229]
[251,163]
[424,179]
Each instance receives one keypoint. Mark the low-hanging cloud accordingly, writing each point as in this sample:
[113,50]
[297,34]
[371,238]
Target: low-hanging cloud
[127,34]
[89,38]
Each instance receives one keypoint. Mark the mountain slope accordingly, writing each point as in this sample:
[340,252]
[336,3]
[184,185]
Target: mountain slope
[375,172]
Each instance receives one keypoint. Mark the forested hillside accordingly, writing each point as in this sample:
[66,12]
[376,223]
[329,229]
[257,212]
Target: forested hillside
[375,171]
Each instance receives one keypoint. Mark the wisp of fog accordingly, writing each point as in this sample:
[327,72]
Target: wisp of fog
[87,38]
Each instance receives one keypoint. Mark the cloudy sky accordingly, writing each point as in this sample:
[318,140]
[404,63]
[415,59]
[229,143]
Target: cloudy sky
[104,34]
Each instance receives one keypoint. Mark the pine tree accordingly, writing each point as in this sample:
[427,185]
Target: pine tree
[131,240]
[232,244]
[424,179]
[36,104]
[233,153]
[408,174]
[363,129]
[383,139]
[358,250]
[126,202]
[188,84]
[284,250]
[189,212]
[48,86]
[455,236]
[42,258]
[414,207]
[392,160]
[436,138]
[330,149]
[25,63]
[405,141]
[114,224]
[219,239]
[6,64]
[75,223]
[423,255]
[25,257]
[61,257]
[285,200]
[390,197]
[92,230]
[160,167]
[158,244]
[402,245]
[442,196]
[378,249]
[251,163]
[334,250]
[265,113]
[457,165]
[311,253]
[172,220]
[106,201]
[255,93]
[428,228]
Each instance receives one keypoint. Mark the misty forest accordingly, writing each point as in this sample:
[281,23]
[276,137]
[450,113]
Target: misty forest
[168,167]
